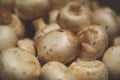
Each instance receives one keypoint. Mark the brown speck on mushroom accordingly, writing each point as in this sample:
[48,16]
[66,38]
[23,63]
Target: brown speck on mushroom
[60,30]
[50,50]
[44,47]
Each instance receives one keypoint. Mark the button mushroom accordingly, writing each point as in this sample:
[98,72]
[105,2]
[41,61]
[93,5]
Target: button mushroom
[94,36]
[58,45]
[8,37]
[28,9]
[94,70]
[112,61]
[56,71]
[74,16]
[106,19]
[87,67]
[17,64]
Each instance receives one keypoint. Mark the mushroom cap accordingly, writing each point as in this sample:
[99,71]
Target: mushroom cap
[112,61]
[8,37]
[56,71]
[74,16]
[18,64]
[107,21]
[28,9]
[58,45]
[95,36]
[89,70]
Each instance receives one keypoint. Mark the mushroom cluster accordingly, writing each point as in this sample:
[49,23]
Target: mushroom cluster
[58,40]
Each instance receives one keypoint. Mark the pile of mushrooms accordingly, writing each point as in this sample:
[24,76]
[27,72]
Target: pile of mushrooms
[71,40]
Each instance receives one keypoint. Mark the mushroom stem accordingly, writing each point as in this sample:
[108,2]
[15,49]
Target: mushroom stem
[88,52]
[53,16]
[39,24]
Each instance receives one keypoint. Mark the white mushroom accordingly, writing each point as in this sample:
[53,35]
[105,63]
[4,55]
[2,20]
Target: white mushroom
[56,71]
[8,37]
[106,19]
[58,45]
[74,16]
[111,59]
[27,44]
[87,67]
[28,9]
[94,36]
[17,64]
[90,70]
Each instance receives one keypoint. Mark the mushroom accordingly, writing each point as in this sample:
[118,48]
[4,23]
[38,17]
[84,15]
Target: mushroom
[17,64]
[42,28]
[94,36]
[27,44]
[112,61]
[91,70]
[8,38]
[56,71]
[12,20]
[74,16]
[106,18]
[28,9]
[87,67]
[58,45]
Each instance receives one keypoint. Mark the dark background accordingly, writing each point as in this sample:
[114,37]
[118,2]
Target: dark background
[114,4]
